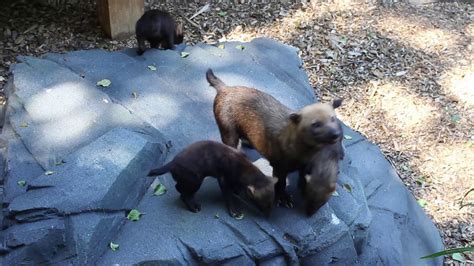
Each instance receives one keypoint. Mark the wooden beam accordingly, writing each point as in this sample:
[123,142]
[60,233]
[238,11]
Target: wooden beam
[118,17]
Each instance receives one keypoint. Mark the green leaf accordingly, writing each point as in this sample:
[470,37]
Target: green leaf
[449,251]
[49,172]
[422,202]
[240,47]
[104,83]
[113,246]
[159,190]
[134,215]
[184,54]
[347,137]
[420,180]
[222,13]
[335,194]
[239,217]
[152,68]
[216,216]
[347,187]
[21,183]
[458,257]
[24,124]
[221,46]
[135,95]
[455,118]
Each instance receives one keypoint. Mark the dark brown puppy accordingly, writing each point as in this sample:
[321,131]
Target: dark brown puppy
[158,28]
[320,177]
[234,172]
[286,138]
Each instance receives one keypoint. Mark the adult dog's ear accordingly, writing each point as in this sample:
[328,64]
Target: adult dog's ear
[336,103]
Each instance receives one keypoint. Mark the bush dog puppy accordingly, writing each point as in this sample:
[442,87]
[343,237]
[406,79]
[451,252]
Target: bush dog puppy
[158,28]
[320,177]
[234,172]
[287,139]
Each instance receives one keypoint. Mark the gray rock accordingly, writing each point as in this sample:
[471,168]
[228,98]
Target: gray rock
[93,178]
[58,111]
[368,224]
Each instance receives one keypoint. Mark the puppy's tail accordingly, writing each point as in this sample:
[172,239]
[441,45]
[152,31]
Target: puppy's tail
[162,170]
[214,81]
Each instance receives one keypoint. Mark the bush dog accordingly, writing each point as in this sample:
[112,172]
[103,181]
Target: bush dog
[287,139]
[234,172]
[320,177]
[158,28]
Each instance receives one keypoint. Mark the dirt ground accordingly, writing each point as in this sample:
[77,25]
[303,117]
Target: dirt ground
[406,75]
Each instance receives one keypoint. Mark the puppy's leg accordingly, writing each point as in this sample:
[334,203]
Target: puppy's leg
[229,136]
[229,198]
[141,45]
[168,42]
[188,189]
[155,43]
[282,198]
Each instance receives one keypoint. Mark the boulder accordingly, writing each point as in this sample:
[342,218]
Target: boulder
[96,145]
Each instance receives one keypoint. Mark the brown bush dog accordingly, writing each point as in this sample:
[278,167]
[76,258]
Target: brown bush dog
[159,29]
[286,138]
[234,172]
[320,177]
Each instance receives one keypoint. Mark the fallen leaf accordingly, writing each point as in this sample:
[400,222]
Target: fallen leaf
[134,215]
[159,190]
[104,83]
[24,124]
[422,202]
[377,73]
[221,46]
[152,68]
[184,54]
[347,137]
[59,163]
[458,257]
[335,194]
[455,118]
[2,78]
[347,187]
[113,246]
[400,73]
[135,95]
[239,217]
[240,47]
[222,13]
[216,216]
[49,172]
[21,183]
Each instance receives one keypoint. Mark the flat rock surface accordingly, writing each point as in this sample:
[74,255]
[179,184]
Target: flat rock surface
[99,143]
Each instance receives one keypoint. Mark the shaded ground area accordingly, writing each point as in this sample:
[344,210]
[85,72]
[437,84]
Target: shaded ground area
[406,75]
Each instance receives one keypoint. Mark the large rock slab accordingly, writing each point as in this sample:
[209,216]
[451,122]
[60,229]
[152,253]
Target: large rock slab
[93,178]
[366,224]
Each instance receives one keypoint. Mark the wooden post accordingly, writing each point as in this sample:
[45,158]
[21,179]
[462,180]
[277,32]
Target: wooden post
[118,17]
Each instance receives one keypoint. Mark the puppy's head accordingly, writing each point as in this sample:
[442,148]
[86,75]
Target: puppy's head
[316,194]
[263,194]
[178,33]
[317,124]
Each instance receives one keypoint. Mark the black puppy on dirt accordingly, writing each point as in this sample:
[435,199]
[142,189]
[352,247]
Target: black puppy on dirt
[234,172]
[286,138]
[159,29]
[320,177]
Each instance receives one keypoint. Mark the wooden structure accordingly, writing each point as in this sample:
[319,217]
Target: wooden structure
[118,17]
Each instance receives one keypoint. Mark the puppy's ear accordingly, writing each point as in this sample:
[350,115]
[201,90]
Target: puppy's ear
[336,103]
[179,29]
[295,118]
[251,189]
